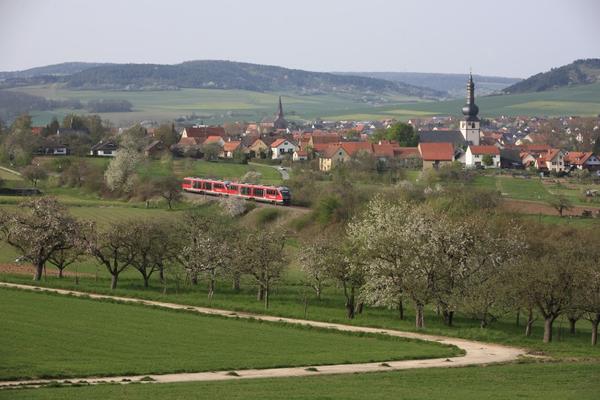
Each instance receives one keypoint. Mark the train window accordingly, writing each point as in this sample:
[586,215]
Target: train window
[196,185]
[245,190]
[207,185]
[259,192]
[233,188]
[271,192]
[218,186]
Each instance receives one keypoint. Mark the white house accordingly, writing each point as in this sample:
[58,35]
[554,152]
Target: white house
[474,157]
[281,147]
[104,149]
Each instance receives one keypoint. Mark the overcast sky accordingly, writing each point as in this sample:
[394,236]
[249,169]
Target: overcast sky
[507,38]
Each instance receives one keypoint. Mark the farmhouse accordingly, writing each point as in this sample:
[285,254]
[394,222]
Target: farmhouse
[476,156]
[203,131]
[435,155]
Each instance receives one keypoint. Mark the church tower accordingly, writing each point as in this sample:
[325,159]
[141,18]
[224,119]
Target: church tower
[469,126]
[280,122]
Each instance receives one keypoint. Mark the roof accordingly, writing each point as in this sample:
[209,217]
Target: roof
[204,131]
[189,141]
[153,144]
[325,138]
[102,145]
[535,148]
[213,139]
[232,146]
[437,151]
[280,141]
[406,152]
[454,137]
[578,157]
[552,153]
[491,150]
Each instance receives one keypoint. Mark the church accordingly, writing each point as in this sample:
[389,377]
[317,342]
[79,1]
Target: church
[280,122]
[470,129]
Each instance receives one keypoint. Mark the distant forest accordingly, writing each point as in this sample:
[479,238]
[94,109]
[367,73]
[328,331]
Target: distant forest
[580,72]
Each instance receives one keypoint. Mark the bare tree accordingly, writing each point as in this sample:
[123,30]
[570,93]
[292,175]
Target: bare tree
[43,228]
[169,188]
[62,258]
[561,203]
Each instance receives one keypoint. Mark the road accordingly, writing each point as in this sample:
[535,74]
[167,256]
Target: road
[476,353]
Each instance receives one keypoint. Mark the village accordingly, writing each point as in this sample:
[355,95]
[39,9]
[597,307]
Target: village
[546,145]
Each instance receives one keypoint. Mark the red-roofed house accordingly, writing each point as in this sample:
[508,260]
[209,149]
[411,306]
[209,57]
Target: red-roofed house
[281,147]
[475,155]
[214,139]
[435,155]
[203,131]
[231,147]
[300,155]
[582,160]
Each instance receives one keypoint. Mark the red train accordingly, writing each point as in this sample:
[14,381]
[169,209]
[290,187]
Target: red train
[269,194]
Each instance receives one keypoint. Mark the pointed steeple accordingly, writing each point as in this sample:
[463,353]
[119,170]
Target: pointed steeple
[280,110]
[280,122]
[470,110]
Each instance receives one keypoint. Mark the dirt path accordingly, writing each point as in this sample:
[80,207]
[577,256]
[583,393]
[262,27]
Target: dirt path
[475,352]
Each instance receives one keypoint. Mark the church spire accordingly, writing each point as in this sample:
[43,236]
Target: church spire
[470,110]
[280,112]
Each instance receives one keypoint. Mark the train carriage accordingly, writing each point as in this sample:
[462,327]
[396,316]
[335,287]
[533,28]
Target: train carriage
[268,194]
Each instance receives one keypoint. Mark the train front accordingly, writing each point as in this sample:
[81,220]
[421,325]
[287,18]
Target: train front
[286,196]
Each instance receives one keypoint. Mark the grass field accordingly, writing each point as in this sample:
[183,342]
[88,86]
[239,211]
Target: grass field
[565,381]
[82,337]
[208,105]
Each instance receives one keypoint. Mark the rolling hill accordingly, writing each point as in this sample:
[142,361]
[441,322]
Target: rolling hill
[212,74]
[452,84]
[580,72]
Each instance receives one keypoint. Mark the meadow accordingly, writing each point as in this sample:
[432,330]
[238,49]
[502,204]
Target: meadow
[83,337]
[216,106]
[539,381]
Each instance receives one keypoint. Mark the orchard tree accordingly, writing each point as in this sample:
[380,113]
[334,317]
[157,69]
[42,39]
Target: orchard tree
[146,245]
[265,260]
[34,173]
[121,172]
[169,188]
[167,134]
[561,203]
[112,248]
[62,258]
[315,265]
[40,231]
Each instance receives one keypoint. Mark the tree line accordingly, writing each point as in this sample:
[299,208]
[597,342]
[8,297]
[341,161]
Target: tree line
[482,264]
[183,250]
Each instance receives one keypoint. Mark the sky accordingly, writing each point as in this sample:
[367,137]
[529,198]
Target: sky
[515,38]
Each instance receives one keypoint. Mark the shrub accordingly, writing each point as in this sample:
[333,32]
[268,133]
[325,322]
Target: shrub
[267,215]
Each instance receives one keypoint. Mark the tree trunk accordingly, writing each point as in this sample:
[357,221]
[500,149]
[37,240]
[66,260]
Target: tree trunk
[359,307]
[266,297]
[448,317]
[483,323]
[419,316]
[194,278]
[595,329]
[60,273]
[161,274]
[260,295]
[211,287]
[39,269]
[529,324]
[318,292]
[146,279]
[113,281]
[401,310]
[236,283]
[350,304]
[548,321]
[572,322]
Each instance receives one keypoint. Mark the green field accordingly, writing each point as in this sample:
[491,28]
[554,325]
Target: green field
[56,336]
[209,105]
[565,381]
[216,106]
